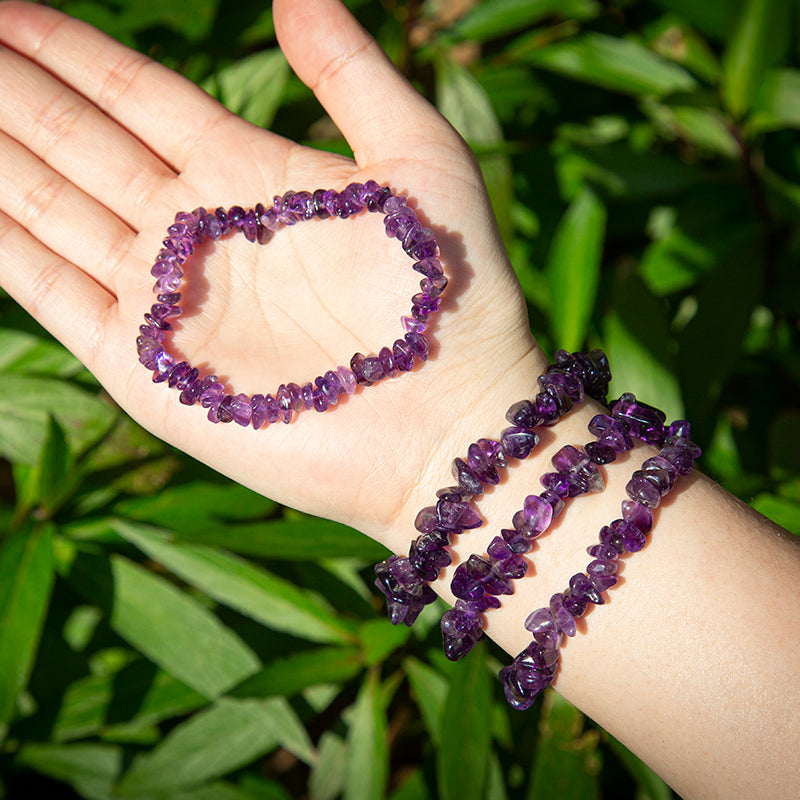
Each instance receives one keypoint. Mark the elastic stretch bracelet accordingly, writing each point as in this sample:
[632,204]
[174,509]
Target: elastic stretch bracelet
[477,581]
[405,581]
[258,224]
[536,666]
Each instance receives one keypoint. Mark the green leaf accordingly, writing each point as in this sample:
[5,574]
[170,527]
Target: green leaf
[90,768]
[138,693]
[573,269]
[781,510]
[672,37]
[28,353]
[194,506]
[750,51]
[621,65]
[379,639]
[714,17]
[429,689]
[176,632]
[566,762]
[289,540]
[468,108]
[215,742]
[289,676]
[23,426]
[26,580]
[650,786]
[253,87]
[462,761]
[367,744]
[494,18]
[705,129]
[328,773]
[778,102]
[252,591]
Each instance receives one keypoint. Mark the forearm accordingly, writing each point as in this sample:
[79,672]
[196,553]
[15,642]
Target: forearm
[691,662]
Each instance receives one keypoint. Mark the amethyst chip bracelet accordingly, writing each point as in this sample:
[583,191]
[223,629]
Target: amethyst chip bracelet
[536,666]
[258,224]
[405,581]
[479,580]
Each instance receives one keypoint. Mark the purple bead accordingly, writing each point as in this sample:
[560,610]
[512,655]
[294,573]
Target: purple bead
[430,267]
[320,400]
[556,483]
[633,538]
[581,474]
[428,555]
[466,478]
[241,410]
[286,403]
[235,215]
[642,490]
[538,513]
[603,582]
[258,415]
[600,453]
[213,393]
[403,355]
[564,382]
[461,629]
[357,368]
[427,519]
[324,386]
[388,366]
[404,605]
[481,465]
[582,588]
[505,562]
[679,429]
[531,672]
[372,370]
[547,408]
[565,622]
[603,551]
[347,379]
[646,423]
[681,453]
[419,345]
[224,412]
[402,570]
[178,372]
[542,624]
[307,393]
[224,222]
[523,414]
[611,538]
[555,501]
[517,541]
[518,442]
[457,516]
[433,287]
[637,514]
[574,604]
[613,433]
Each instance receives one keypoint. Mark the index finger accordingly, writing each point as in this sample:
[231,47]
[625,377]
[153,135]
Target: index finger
[165,111]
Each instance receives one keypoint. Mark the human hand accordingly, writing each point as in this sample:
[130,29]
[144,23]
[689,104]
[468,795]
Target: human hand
[99,147]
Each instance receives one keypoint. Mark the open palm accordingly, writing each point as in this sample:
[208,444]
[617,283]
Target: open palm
[100,147]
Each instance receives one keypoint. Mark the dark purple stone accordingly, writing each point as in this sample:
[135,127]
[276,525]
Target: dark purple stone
[582,588]
[388,366]
[224,412]
[637,514]
[505,562]
[419,344]
[679,429]
[523,414]
[613,433]
[429,556]
[466,478]
[574,604]
[235,215]
[258,416]
[646,422]
[518,541]
[642,490]
[556,383]
[180,370]
[600,453]
[427,519]
[461,629]
[542,624]
[482,465]
[213,393]
[357,368]
[403,355]
[538,513]
[457,516]
[372,369]
[464,585]
[611,537]
[547,408]
[555,501]
[404,605]
[556,483]
[430,268]
[320,400]
[563,619]
[633,538]
[241,410]
[518,442]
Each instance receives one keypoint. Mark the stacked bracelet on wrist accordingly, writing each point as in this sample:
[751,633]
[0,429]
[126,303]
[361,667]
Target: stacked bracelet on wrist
[405,581]
[536,666]
[477,582]
[257,224]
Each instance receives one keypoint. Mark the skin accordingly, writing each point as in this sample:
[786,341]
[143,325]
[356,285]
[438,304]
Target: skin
[693,661]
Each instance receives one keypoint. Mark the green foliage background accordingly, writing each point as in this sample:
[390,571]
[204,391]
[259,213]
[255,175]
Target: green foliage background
[644,164]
